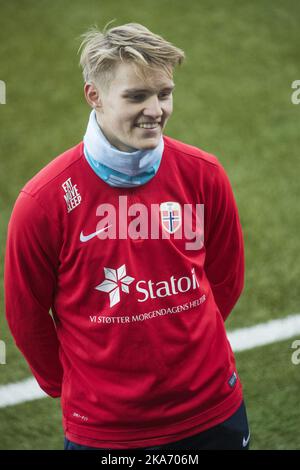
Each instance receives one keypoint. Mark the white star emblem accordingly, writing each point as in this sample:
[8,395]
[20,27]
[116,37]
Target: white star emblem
[114,279]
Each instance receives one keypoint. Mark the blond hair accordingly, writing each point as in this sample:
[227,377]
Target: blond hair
[131,42]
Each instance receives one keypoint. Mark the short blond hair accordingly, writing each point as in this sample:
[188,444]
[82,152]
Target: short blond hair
[101,51]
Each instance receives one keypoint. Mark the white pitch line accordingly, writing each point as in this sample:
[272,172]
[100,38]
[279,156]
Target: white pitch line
[264,333]
[20,392]
[240,340]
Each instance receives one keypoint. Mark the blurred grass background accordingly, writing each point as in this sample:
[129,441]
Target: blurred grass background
[232,99]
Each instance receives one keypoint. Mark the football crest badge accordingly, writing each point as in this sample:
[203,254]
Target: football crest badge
[170,213]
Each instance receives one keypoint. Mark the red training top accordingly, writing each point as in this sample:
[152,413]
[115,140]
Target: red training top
[137,349]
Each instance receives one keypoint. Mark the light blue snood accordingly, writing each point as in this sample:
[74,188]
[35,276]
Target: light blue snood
[116,168]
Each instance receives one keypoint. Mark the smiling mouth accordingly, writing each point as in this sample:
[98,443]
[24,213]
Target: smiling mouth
[148,125]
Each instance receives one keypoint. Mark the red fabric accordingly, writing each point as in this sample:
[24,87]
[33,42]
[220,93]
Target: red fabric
[155,367]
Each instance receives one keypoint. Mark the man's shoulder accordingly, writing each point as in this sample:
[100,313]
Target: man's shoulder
[54,169]
[190,151]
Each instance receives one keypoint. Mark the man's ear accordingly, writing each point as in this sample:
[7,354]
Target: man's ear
[92,96]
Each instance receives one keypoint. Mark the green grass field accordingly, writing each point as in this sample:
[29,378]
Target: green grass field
[233,99]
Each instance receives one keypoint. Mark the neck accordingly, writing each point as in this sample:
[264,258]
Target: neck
[109,141]
[142,164]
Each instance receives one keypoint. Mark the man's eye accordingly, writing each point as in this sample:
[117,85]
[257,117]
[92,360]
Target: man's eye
[165,95]
[141,97]
[137,97]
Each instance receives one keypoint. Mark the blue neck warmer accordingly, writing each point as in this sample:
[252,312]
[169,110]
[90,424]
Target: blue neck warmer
[116,168]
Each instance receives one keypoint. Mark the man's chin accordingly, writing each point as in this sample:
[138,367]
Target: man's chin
[143,144]
[148,144]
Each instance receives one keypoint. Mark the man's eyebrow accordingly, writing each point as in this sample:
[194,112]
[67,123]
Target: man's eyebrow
[146,90]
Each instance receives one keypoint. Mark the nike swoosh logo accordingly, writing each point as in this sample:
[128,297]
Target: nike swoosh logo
[246,441]
[86,238]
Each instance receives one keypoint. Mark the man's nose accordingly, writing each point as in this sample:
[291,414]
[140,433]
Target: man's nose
[153,107]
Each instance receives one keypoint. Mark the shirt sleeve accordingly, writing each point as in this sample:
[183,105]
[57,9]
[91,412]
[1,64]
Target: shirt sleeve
[224,263]
[31,261]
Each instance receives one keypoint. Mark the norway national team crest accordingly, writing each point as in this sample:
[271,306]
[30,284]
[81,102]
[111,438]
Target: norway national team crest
[170,213]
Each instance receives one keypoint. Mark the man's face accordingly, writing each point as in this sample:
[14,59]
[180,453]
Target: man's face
[134,110]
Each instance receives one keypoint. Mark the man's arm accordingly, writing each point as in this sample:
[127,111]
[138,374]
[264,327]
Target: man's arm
[224,263]
[29,280]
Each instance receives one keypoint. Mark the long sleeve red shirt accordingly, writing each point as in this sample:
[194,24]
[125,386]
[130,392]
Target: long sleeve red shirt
[137,347]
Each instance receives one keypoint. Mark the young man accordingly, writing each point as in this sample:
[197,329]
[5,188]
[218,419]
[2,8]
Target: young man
[133,240]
